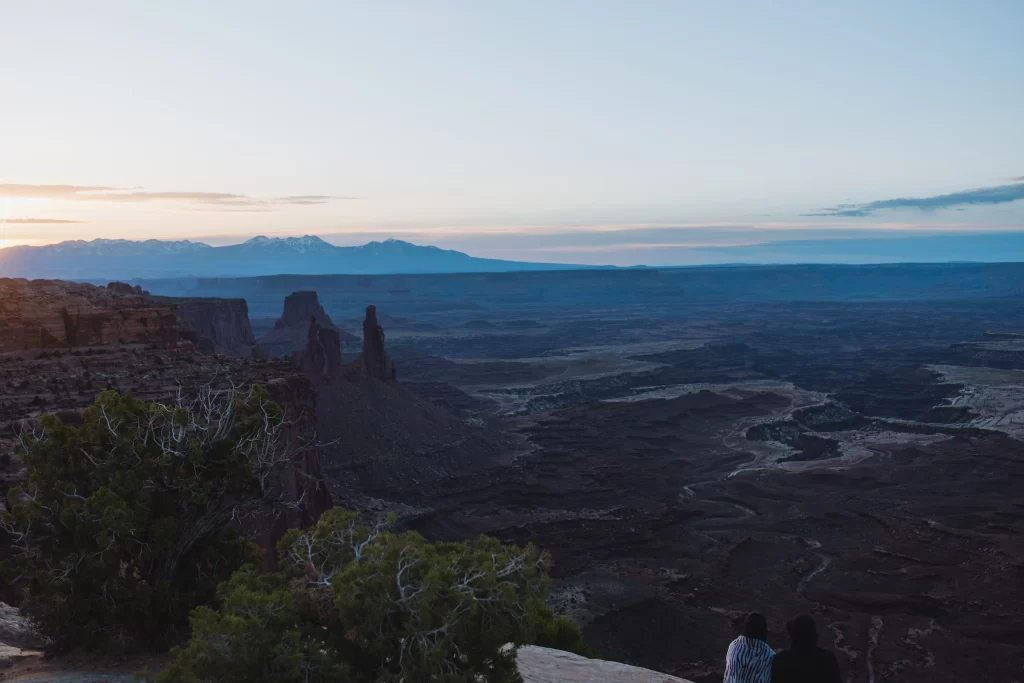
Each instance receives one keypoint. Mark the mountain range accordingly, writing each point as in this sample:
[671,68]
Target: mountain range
[309,255]
[105,260]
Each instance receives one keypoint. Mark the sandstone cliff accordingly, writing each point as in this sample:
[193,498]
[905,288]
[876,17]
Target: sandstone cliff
[46,314]
[115,338]
[291,331]
[321,359]
[1003,350]
[224,323]
[373,361]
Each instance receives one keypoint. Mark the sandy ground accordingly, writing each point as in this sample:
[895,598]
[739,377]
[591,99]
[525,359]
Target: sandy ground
[997,395]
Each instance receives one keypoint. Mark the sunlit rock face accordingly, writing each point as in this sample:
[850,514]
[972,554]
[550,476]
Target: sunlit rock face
[51,314]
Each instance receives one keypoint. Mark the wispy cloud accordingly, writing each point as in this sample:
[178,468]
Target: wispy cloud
[630,246]
[36,221]
[16,191]
[227,201]
[1000,194]
[308,199]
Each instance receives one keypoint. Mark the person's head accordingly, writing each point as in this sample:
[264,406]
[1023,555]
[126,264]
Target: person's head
[802,632]
[756,627]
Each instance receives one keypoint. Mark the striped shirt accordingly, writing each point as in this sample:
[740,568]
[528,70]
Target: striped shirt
[749,660]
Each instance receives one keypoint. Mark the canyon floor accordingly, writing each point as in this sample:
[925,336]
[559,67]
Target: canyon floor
[858,461]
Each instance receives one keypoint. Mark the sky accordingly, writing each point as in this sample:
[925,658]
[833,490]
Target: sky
[584,132]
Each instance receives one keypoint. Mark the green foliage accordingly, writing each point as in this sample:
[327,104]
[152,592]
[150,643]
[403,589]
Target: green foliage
[361,604]
[562,633]
[126,522]
[259,633]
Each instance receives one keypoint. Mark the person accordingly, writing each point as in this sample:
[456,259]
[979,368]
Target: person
[804,661]
[749,659]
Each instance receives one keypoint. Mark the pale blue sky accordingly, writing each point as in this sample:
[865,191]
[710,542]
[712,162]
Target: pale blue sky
[481,125]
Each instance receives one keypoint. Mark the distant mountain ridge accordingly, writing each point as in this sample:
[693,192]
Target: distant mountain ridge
[307,255]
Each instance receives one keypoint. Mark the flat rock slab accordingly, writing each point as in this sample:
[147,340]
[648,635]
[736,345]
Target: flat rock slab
[15,630]
[75,677]
[536,664]
[542,665]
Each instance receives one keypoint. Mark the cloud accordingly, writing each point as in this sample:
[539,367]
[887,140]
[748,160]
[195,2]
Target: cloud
[1000,194]
[15,191]
[137,195]
[212,198]
[308,199]
[35,221]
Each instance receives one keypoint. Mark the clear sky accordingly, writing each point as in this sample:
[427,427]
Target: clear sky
[562,131]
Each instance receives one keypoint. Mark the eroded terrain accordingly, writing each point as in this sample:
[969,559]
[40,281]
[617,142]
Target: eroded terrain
[846,460]
[789,442]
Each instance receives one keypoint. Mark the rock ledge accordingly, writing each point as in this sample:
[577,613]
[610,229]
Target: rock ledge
[543,665]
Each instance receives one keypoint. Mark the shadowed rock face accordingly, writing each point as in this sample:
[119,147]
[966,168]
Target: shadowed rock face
[299,307]
[297,398]
[125,288]
[321,359]
[373,361]
[224,322]
[291,331]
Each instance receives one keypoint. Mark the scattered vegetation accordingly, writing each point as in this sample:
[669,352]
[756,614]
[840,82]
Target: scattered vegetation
[127,521]
[126,535]
[359,603]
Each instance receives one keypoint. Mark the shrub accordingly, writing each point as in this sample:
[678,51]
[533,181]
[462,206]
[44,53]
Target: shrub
[562,633]
[128,521]
[362,604]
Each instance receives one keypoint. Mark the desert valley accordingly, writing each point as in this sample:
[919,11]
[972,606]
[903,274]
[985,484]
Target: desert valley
[689,444]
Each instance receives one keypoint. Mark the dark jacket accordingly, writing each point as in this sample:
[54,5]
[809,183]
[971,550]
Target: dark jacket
[805,665]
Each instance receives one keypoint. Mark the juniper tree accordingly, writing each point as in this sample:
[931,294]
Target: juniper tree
[129,520]
[358,603]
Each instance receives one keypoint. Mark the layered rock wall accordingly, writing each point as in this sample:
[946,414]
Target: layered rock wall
[224,322]
[291,331]
[49,314]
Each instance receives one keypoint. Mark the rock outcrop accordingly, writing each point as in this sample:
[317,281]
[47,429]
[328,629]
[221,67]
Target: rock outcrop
[130,342]
[536,665]
[51,314]
[220,324]
[543,665]
[305,484]
[16,631]
[321,359]
[1003,350]
[291,331]
[126,289]
[373,361]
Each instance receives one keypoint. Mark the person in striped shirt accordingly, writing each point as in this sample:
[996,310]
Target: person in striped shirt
[749,659]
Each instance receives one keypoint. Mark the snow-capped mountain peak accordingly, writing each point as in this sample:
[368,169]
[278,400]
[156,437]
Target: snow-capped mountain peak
[302,245]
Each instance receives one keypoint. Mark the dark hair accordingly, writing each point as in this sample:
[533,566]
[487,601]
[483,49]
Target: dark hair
[756,627]
[802,632]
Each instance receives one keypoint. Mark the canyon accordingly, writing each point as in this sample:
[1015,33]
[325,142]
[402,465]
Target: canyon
[689,445]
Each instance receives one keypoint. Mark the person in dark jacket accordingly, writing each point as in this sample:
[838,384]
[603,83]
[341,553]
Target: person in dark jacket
[804,661]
